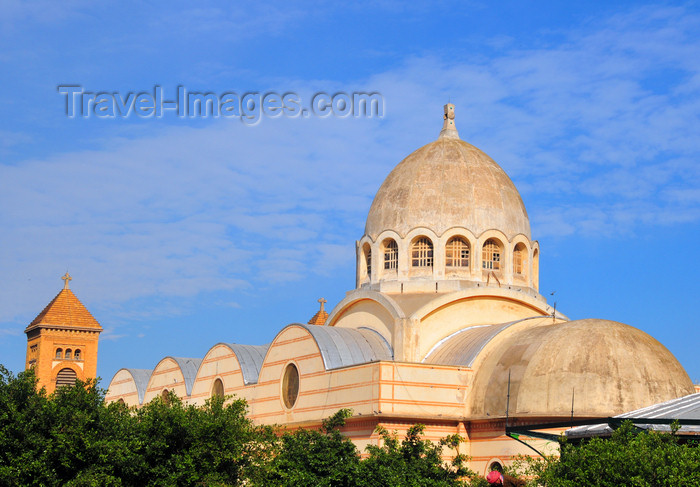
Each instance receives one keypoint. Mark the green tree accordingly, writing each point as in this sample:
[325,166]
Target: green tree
[413,462]
[313,458]
[73,438]
[187,445]
[21,428]
[631,457]
[68,438]
[327,458]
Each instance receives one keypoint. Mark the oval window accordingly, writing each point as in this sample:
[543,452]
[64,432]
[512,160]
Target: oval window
[290,386]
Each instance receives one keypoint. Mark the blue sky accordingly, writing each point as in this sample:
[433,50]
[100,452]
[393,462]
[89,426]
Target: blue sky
[182,233]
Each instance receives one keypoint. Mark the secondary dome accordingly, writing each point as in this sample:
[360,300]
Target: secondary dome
[606,367]
[448,183]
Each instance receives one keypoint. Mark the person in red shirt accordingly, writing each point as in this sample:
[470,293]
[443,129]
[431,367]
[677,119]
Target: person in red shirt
[495,477]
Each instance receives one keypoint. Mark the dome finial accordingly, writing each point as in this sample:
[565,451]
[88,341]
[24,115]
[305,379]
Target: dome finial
[449,130]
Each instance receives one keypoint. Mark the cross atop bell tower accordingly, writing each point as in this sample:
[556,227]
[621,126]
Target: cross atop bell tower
[321,315]
[62,341]
[66,280]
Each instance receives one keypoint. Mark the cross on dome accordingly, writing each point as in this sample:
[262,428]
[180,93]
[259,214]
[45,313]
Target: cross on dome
[322,301]
[66,280]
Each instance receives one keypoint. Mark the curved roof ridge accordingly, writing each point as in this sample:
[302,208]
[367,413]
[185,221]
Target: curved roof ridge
[141,378]
[462,348]
[373,335]
[449,337]
[250,358]
[343,347]
[536,302]
[382,299]
[189,368]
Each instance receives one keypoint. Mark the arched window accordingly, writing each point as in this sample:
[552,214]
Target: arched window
[165,396]
[218,389]
[290,386]
[367,254]
[422,252]
[496,466]
[59,353]
[69,354]
[457,252]
[491,255]
[391,254]
[77,354]
[66,377]
[519,259]
[121,401]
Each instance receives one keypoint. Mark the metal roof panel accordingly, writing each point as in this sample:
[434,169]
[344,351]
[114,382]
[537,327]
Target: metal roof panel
[189,367]
[141,378]
[250,358]
[342,347]
[686,407]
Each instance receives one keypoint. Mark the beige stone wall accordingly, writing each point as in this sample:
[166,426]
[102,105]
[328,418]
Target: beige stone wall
[321,392]
[426,319]
[422,390]
[166,375]
[475,308]
[122,387]
[219,363]
[365,312]
[488,443]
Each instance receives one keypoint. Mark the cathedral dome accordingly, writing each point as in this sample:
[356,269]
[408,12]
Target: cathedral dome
[448,183]
[604,367]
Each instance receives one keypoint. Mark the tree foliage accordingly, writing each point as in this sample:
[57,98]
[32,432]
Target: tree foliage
[413,462]
[310,457]
[73,438]
[630,457]
[327,458]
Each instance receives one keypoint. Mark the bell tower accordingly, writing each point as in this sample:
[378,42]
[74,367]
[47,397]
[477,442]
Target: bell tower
[62,341]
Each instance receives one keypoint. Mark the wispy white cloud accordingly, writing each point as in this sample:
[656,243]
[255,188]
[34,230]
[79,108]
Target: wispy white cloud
[108,334]
[599,133]
[609,116]
[10,331]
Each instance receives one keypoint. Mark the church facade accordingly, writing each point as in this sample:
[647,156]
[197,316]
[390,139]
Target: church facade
[445,327]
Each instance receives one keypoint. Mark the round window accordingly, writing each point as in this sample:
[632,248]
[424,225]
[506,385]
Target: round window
[290,385]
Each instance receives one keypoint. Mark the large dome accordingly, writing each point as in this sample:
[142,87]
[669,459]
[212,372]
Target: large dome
[448,183]
[606,367]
